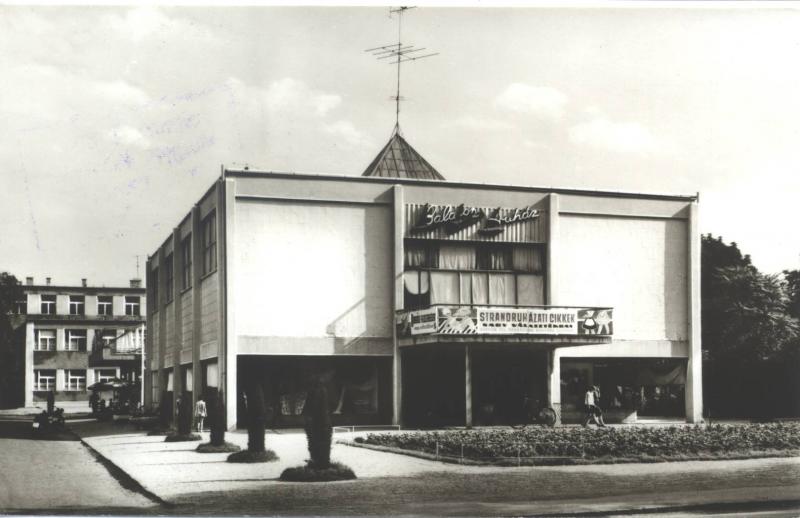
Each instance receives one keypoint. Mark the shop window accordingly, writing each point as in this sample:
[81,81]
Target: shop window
[169,277]
[45,340]
[209,227]
[132,305]
[75,340]
[457,257]
[48,306]
[74,379]
[186,255]
[105,375]
[76,304]
[105,305]
[44,380]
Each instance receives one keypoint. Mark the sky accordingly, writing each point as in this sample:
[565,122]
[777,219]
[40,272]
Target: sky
[115,120]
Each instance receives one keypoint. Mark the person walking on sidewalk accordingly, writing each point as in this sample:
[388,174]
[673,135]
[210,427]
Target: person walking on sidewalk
[593,413]
[200,413]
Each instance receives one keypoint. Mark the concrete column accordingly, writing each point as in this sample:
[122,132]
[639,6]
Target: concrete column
[118,305]
[468,385]
[551,275]
[90,305]
[226,252]
[90,338]
[30,337]
[399,265]
[60,379]
[554,382]
[694,373]
[60,339]
[62,304]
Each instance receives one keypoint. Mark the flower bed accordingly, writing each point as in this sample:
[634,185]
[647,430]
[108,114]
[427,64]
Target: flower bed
[662,443]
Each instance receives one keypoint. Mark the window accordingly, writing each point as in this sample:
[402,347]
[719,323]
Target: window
[48,304]
[154,290]
[74,379]
[44,380]
[107,336]
[21,307]
[76,340]
[186,254]
[76,303]
[105,305]
[169,279]
[103,375]
[132,305]
[209,227]
[45,340]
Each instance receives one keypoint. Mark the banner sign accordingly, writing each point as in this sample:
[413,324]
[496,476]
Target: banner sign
[487,320]
[454,219]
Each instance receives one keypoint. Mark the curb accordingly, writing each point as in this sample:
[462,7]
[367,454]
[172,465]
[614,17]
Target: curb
[122,476]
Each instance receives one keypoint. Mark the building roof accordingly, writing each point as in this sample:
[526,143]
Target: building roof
[398,159]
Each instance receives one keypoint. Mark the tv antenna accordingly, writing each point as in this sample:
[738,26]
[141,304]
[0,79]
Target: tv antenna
[398,53]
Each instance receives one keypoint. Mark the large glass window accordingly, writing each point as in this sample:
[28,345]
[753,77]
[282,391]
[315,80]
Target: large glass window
[473,274]
[45,340]
[48,305]
[44,379]
[186,255]
[75,340]
[209,226]
[132,305]
[76,304]
[169,280]
[74,379]
[105,305]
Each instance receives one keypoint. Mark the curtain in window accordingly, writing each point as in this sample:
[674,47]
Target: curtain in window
[502,289]
[444,288]
[457,257]
[480,288]
[416,282]
[527,259]
[416,255]
[530,290]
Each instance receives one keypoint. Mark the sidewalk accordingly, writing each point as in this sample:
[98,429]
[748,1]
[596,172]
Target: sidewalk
[398,484]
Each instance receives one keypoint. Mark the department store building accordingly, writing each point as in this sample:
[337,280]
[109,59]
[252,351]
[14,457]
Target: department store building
[425,303]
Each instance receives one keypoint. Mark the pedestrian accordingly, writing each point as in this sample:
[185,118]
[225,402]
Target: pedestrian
[200,413]
[593,412]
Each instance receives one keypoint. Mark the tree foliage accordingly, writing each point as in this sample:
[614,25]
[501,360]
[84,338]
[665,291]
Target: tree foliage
[745,313]
[10,357]
[319,431]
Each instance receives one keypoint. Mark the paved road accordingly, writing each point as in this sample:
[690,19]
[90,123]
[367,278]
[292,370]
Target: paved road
[56,475]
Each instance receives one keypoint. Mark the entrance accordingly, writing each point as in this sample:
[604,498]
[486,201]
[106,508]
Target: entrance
[502,379]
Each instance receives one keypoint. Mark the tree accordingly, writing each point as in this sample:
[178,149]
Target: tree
[256,421]
[792,278]
[318,427]
[11,358]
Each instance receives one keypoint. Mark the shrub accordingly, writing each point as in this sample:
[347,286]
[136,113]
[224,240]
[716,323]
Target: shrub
[308,473]
[255,452]
[184,422]
[668,442]
[318,426]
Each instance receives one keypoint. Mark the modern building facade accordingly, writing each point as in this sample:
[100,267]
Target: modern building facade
[423,302]
[78,335]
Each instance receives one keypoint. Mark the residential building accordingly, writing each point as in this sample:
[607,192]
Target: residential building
[78,335]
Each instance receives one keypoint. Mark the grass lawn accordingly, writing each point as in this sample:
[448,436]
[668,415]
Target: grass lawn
[541,445]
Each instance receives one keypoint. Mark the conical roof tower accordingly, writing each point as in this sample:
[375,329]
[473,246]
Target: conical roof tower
[398,159]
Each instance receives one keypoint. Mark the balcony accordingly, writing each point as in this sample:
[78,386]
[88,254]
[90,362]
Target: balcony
[554,326]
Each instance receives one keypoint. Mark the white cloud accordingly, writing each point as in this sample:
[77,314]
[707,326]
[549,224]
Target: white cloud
[140,22]
[120,92]
[128,136]
[540,101]
[291,94]
[620,137]
[471,122]
[345,130]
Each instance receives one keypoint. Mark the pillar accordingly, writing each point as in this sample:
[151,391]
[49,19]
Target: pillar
[694,376]
[468,386]
[554,383]
[399,266]
[30,336]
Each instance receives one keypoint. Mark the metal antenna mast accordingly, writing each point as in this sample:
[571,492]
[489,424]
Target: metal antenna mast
[398,53]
